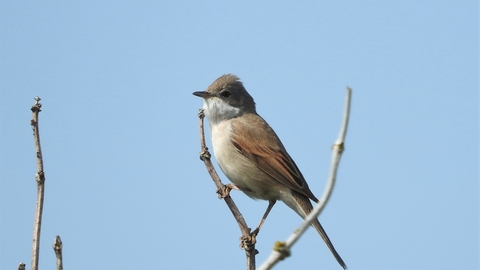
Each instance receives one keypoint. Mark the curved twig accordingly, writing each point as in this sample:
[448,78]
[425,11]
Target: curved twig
[281,250]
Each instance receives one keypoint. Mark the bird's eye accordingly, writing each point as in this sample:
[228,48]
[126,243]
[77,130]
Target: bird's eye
[225,94]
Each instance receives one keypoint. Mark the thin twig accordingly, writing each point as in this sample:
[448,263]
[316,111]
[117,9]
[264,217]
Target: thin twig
[281,250]
[40,179]
[248,244]
[57,247]
[337,151]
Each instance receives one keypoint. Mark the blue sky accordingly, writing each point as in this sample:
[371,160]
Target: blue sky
[125,187]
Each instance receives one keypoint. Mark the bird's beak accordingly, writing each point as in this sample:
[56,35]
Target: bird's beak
[202,94]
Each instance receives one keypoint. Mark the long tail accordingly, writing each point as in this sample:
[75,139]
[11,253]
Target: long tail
[316,224]
[306,207]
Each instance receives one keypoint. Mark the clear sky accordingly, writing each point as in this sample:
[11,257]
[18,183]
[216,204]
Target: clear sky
[125,188]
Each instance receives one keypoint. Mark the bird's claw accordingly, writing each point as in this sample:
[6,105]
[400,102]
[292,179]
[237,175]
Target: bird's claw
[248,242]
[225,190]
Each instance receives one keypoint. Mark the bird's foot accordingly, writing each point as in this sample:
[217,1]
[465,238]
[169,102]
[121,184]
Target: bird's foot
[225,190]
[248,242]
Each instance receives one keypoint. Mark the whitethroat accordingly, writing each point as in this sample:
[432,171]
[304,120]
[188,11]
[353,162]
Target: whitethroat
[251,155]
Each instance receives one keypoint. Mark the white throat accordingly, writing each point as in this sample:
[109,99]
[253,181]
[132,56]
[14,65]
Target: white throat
[218,110]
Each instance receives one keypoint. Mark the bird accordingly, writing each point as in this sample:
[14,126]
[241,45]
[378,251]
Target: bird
[251,155]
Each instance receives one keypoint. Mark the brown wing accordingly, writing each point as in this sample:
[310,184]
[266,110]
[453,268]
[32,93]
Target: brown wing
[272,158]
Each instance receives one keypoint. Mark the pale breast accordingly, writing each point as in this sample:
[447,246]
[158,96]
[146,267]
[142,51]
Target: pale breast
[241,171]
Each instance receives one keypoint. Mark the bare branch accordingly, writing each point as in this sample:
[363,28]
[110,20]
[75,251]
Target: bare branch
[337,150]
[247,241]
[281,250]
[40,179]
